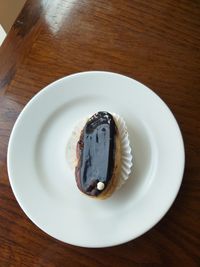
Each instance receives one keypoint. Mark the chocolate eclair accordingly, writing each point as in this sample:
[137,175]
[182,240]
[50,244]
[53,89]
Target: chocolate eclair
[98,156]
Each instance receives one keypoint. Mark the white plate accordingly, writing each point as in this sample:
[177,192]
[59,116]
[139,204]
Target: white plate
[45,187]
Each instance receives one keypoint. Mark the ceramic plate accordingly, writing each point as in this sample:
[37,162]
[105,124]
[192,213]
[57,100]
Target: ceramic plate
[45,186]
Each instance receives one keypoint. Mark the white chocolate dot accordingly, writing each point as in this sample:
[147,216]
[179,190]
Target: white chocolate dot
[100,186]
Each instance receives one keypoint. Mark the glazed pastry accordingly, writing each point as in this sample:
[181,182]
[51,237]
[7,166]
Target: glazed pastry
[98,155]
[100,160]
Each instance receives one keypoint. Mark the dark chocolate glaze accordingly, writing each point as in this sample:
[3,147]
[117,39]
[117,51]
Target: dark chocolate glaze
[96,153]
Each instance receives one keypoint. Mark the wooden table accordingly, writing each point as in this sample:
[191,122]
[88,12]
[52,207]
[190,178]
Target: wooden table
[155,42]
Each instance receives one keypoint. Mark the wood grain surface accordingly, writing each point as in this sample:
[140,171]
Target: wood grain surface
[155,42]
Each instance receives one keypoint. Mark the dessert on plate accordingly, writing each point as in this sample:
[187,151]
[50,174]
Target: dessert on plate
[100,154]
